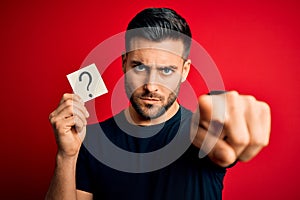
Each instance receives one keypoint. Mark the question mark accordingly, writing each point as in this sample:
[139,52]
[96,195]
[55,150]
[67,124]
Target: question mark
[90,80]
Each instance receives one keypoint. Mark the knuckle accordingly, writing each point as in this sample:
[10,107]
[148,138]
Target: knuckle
[256,142]
[265,107]
[264,112]
[69,102]
[234,111]
[51,115]
[70,110]
[263,142]
[53,120]
[204,99]
[259,142]
[250,105]
[233,93]
[250,99]
[66,96]
[205,103]
[233,101]
[242,140]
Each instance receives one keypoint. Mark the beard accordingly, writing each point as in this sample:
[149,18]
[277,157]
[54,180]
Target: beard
[150,111]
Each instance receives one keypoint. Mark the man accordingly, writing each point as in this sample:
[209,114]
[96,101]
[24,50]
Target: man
[155,64]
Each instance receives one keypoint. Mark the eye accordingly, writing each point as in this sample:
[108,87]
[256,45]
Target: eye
[140,68]
[167,71]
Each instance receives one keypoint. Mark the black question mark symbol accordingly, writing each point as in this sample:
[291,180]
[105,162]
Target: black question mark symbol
[90,80]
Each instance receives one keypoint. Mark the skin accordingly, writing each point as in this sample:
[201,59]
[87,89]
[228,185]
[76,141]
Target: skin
[152,86]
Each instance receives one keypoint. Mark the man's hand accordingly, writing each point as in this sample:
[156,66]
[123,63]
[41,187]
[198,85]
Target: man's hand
[232,127]
[69,123]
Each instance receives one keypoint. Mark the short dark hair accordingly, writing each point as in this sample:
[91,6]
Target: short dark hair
[158,24]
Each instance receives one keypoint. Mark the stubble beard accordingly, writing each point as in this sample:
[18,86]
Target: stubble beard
[150,111]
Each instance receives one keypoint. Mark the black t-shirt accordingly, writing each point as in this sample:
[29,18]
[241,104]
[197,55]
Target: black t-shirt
[187,178]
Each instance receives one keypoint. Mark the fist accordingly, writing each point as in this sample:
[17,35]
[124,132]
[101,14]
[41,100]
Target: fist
[231,127]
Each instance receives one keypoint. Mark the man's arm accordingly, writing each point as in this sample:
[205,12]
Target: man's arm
[63,182]
[232,127]
[69,125]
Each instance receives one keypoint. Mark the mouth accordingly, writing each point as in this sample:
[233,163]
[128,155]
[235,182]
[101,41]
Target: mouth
[149,100]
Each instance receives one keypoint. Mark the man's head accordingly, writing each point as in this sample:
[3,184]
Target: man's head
[157,46]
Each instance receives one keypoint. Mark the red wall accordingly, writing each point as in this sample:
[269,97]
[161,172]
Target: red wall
[255,45]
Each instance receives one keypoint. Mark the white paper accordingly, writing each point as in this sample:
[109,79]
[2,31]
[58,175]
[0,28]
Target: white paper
[87,83]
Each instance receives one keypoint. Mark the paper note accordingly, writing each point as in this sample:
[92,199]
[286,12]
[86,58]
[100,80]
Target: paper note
[87,83]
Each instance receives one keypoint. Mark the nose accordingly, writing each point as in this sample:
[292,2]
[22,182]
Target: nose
[151,82]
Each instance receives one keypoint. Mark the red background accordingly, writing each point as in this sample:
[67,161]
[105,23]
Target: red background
[255,44]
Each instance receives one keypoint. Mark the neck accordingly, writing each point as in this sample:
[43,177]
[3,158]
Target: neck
[134,118]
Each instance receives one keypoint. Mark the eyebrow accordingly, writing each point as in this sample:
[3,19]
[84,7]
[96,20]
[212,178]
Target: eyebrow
[136,63]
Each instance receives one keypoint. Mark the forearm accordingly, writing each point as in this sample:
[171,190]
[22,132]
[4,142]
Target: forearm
[63,184]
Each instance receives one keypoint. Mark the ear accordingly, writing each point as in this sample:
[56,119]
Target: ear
[124,59]
[185,70]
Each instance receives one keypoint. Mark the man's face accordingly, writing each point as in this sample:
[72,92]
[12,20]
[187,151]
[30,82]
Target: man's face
[153,74]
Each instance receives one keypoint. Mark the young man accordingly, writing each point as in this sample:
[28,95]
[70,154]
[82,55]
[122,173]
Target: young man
[155,64]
